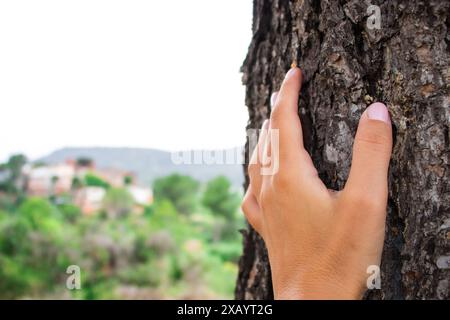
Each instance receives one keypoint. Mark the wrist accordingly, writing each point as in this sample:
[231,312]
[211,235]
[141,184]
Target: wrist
[319,288]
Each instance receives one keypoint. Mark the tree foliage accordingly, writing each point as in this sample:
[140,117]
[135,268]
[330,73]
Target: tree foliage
[10,173]
[92,180]
[118,202]
[162,254]
[219,198]
[178,189]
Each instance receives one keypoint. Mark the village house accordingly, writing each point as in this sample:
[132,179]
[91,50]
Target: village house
[90,199]
[142,197]
[57,180]
[49,180]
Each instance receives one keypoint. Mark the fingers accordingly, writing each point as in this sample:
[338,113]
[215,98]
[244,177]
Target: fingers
[251,210]
[371,154]
[285,119]
[263,143]
[273,99]
[284,114]
[254,167]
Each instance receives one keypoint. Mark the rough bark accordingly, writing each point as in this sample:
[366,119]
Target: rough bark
[405,64]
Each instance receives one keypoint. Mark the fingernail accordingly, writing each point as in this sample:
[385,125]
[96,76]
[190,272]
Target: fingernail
[291,72]
[273,98]
[378,111]
[265,124]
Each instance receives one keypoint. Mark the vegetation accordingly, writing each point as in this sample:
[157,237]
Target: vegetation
[91,180]
[172,250]
[178,189]
[219,198]
[118,202]
[223,203]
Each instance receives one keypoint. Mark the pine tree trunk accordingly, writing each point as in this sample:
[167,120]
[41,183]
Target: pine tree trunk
[347,65]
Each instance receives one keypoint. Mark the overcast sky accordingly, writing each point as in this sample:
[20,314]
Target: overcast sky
[156,74]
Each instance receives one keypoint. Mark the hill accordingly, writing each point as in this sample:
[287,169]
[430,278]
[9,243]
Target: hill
[148,164]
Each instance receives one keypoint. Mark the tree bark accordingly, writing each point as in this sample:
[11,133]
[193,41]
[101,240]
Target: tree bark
[346,66]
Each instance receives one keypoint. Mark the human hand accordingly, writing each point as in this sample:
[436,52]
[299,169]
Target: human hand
[320,242]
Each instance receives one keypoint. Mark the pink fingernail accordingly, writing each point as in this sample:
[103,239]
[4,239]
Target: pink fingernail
[291,72]
[265,124]
[378,111]
[273,98]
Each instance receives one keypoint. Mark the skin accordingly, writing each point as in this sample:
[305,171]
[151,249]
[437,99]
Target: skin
[320,242]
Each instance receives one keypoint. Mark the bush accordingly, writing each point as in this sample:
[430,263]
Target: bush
[227,251]
[91,180]
[163,252]
[219,198]
[118,202]
[178,189]
[70,212]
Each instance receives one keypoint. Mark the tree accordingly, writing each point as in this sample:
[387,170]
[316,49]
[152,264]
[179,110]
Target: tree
[40,214]
[12,181]
[348,63]
[16,163]
[85,162]
[31,243]
[220,199]
[178,189]
[77,183]
[92,180]
[118,202]
[223,203]
[54,180]
[128,180]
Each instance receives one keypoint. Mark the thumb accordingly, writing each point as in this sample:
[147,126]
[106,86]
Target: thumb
[371,153]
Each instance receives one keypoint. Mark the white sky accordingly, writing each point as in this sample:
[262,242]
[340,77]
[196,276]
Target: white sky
[157,74]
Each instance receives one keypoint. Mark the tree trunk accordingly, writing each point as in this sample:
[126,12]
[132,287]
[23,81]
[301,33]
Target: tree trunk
[347,65]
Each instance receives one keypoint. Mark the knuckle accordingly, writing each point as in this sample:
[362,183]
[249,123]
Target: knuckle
[375,139]
[276,114]
[280,180]
[252,170]
[265,198]
[365,201]
[244,206]
[268,195]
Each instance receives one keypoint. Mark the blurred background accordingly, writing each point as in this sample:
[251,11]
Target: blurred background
[96,98]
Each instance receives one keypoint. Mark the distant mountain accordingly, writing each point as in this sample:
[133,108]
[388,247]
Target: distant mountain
[149,164]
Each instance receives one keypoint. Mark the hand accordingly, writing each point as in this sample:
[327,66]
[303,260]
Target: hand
[320,242]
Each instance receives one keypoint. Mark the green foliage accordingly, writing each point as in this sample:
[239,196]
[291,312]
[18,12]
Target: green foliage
[223,203]
[157,255]
[118,202]
[219,198]
[164,210]
[8,201]
[39,164]
[3,216]
[127,180]
[10,172]
[77,183]
[70,212]
[227,251]
[178,189]
[15,164]
[91,180]
[30,241]
[40,214]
